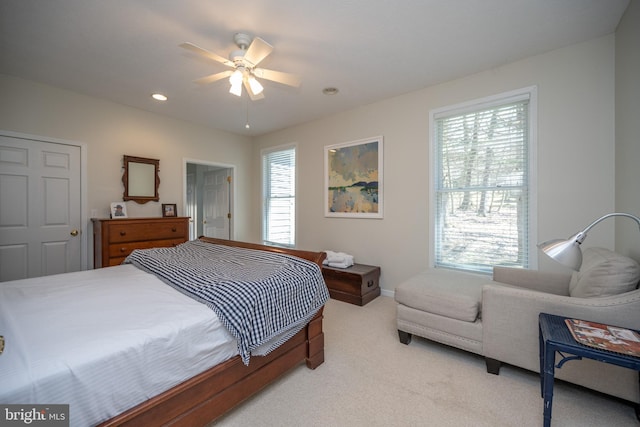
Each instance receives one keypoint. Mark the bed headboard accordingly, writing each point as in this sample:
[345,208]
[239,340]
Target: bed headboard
[316,257]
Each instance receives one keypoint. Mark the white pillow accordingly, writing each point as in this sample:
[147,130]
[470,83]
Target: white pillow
[603,273]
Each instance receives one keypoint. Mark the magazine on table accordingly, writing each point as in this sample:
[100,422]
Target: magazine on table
[606,337]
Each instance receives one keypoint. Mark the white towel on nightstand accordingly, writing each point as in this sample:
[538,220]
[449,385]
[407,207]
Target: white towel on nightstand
[338,259]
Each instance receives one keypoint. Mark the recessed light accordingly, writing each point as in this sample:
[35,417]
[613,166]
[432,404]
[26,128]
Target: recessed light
[159,97]
[330,90]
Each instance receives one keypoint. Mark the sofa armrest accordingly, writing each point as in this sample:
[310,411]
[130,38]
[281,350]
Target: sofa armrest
[554,283]
[510,319]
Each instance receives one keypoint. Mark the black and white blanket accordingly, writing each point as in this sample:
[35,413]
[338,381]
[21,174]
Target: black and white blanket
[263,298]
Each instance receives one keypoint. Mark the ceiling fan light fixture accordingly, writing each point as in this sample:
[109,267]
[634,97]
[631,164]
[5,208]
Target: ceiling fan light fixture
[243,63]
[236,83]
[236,89]
[255,86]
[236,78]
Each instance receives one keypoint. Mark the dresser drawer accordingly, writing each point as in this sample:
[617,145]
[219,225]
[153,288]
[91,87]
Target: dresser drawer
[147,231]
[124,249]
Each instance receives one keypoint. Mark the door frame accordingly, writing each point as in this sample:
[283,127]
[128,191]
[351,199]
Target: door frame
[232,187]
[87,227]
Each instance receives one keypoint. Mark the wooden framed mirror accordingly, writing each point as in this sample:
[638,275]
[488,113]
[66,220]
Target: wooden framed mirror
[141,179]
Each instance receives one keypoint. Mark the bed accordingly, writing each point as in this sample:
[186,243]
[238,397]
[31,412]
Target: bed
[192,367]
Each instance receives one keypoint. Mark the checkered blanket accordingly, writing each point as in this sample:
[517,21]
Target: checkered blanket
[263,298]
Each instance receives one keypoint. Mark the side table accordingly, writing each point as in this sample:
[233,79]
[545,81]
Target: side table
[555,337]
[358,284]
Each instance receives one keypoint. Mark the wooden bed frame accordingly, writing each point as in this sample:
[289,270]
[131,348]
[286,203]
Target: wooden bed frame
[205,397]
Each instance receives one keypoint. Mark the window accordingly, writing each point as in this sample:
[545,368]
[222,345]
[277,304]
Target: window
[279,196]
[482,193]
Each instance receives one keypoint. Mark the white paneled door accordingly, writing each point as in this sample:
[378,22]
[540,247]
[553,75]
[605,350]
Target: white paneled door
[40,208]
[215,204]
[191,205]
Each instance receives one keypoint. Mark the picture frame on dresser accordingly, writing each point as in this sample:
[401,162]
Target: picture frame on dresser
[169,210]
[353,179]
[118,210]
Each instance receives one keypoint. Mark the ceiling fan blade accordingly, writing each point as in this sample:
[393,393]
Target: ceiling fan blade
[278,76]
[250,92]
[257,51]
[208,54]
[213,77]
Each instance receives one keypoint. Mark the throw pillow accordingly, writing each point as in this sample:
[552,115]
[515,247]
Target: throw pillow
[603,273]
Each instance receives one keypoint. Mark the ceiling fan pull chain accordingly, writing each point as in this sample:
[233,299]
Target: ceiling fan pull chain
[247,102]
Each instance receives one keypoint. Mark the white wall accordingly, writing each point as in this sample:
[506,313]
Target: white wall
[575,153]
[628,129]
[111,130]
[575,158]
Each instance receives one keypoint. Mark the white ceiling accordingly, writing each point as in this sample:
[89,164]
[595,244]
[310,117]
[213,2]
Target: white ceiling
[369,49]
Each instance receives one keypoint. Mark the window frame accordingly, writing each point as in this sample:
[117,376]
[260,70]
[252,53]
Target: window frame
[264,226]
[529,93]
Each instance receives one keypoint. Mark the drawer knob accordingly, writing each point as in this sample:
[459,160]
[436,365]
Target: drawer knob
[123,249]
[174,229]
[369,283]
[122,233]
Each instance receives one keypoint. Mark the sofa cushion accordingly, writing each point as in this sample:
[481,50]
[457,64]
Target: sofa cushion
[443,292]
[603,273]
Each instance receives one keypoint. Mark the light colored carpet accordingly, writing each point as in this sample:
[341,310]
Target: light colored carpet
[370,379]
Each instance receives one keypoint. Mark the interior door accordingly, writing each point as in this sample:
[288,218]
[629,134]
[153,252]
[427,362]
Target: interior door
[215,204]
[191,205]
[40,208]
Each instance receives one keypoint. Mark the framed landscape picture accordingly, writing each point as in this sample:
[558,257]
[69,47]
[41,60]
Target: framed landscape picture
[353,179]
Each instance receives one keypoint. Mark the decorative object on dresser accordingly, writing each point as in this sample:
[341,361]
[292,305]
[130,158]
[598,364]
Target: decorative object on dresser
[358,284]
[118,210]
[115,239]
[169,210]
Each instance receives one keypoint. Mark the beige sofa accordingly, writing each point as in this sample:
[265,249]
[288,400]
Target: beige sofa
[498,318]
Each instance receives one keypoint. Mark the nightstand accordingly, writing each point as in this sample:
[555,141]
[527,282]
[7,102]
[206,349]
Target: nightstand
[357,284]
[555,337]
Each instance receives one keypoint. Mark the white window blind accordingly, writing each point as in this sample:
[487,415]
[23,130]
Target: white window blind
[482,186]
[279,197]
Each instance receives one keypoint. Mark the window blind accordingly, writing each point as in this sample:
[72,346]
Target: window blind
[482,188]
[279,192]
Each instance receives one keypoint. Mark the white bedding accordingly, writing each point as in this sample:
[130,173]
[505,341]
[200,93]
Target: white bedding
[102,341]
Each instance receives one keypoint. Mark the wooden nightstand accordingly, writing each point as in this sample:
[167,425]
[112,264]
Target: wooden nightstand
[357,284]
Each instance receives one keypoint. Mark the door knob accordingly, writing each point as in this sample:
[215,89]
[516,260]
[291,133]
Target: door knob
[74,233]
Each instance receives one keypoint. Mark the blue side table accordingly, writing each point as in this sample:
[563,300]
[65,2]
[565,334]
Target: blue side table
[556,337]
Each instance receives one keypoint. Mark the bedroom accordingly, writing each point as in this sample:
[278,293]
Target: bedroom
[597,143]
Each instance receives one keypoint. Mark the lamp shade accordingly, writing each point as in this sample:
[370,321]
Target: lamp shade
[255,86]
[565,251]
[236,89]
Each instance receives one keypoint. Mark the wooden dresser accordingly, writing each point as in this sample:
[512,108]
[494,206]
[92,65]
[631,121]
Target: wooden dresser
[114,239]
[357,284]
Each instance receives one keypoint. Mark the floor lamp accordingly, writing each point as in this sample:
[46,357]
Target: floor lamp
[567,251]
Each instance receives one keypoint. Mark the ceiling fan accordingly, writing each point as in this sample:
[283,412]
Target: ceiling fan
[243,63]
